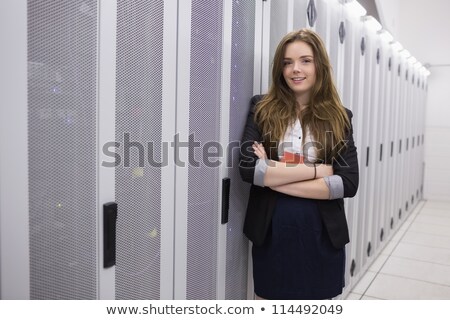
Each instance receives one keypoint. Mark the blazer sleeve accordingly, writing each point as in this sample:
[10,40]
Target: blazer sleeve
[345,164]
[247,157]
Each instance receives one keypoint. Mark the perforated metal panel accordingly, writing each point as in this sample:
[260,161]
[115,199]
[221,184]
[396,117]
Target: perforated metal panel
[204,123]
[62,48]
[243,34]
[300,15]
[278,27]
[139,115]
[335,43]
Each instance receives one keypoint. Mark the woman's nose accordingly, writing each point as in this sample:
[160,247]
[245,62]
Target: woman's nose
[297,67]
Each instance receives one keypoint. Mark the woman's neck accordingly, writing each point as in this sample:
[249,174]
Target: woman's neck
[302,102]
[301,106]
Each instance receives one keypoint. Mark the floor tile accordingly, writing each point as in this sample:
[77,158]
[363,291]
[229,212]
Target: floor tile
[397,288]
[399,235]
[418,270]
[415,262]
[404,227]
[422,253]
[378,263]
[435,212]
[353,296]
[437,204]
[410,219]
[389,248]
[426,239]
[430,229]
[430,219]
[365,297]
[364,282]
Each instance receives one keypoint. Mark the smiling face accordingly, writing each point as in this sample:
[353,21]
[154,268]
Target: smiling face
[299,70]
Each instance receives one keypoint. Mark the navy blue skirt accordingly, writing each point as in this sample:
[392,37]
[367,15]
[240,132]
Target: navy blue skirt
[297,260]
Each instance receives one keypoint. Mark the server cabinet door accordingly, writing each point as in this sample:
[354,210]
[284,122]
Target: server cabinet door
[279,18]
[62,148]
[390,140]
[198,123]
[300,15]
[144,127]
[359,115]
[240,91]
[215,84]
[275,26]
[384,158]
[395,102]
[375,139]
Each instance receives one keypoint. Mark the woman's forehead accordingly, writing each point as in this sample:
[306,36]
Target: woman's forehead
[298,49]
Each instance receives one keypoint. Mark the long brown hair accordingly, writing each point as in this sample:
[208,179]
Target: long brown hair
[325,116]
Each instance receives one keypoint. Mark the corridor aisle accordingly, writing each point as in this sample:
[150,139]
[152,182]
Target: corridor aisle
[415,264]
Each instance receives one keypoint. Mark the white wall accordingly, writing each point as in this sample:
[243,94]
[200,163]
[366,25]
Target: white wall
[437,136]
[423,27]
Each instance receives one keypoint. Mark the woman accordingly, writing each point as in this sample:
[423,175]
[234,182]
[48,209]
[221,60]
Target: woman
[299,155]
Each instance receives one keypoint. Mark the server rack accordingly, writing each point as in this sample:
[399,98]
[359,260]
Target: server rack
[115,75]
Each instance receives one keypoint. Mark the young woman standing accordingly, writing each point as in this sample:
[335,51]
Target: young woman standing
[299,155]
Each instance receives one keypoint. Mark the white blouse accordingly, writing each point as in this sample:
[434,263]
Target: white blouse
[295,143]
[303,147]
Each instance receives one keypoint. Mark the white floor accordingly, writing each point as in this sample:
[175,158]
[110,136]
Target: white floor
[415,264]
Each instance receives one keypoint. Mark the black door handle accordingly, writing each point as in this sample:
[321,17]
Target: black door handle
[109,234]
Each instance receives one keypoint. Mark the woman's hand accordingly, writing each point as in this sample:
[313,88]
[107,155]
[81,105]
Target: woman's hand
[259,150]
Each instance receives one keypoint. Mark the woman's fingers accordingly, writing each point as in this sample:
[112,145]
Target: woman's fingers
[259,150]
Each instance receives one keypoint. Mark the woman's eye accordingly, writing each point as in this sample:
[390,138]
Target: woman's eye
[306,61]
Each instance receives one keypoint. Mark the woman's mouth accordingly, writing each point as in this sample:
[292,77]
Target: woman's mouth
[298,80]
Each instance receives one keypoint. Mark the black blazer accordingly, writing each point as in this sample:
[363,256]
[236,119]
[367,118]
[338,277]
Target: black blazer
[262,201]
